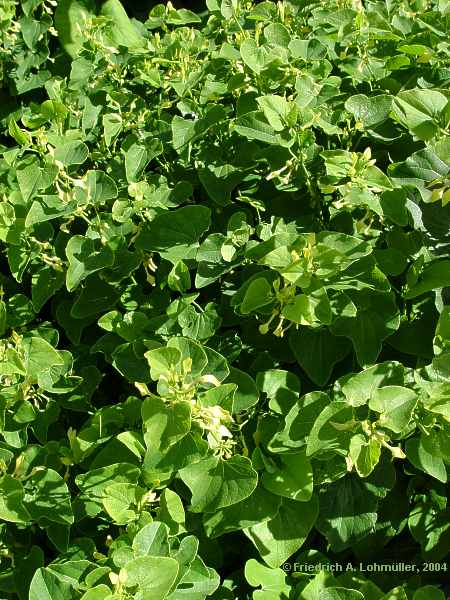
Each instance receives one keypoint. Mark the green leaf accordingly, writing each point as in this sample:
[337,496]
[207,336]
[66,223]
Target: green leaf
[171,512]
[222,395]
[153,575]
[259,293]
[275,109]
[45,283]
[29,178]
[396,405]
[121,29]
[377,318]
[69,15]
[198,582]
[246,394]
[421,168]
[420,110]
[47,208]
[216,483]
[3,317]
[273,380]
[441,340]
[96,296]
[179,278]
[272,581]
[185,131]
[121,502]
[429,526]
[23,138]
[428,592]
[136,159]
[359,387]
[175,234]
[220,181]
[293,478]
[165,423]
[129,360]
[49,499]
[45,585]
[393,205]
[39,356]
[12,508]
[348,512]
[282,387]
[434,276]
[94,482]
[256,58]
[340,593]
[259,507]
[370,111]
[186,555]
[20,311]
[332,430]
[391,261]
[182,16]
[112,126]
[277,539]
[162,361]
[317,351]
[71,153]
[200,325]
[365,454]
[309,309]
[99,592]
[424,453]
[198,357]
[254,126]
[298,422]
[151,540]
[100,188]
[84,259]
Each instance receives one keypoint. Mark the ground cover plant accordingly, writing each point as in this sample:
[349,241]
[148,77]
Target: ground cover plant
[224,300]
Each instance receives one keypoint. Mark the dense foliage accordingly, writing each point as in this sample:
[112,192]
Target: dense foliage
[224,300]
